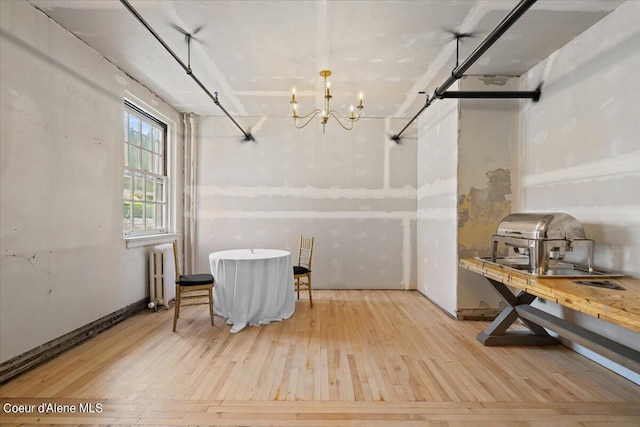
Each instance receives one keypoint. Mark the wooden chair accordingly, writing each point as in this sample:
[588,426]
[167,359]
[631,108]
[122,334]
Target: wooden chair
[191,287]
[302,271]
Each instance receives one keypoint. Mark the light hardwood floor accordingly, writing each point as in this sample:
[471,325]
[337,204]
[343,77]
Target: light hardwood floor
[358,358]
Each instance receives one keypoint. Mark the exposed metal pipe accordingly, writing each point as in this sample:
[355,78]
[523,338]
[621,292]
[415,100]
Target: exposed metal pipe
[187,69]
[497,32]
[477,94]
[396,137]
[193,193]
[189,189]
[459,71]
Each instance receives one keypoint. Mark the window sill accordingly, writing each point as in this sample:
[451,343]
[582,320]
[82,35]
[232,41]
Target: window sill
[155,239]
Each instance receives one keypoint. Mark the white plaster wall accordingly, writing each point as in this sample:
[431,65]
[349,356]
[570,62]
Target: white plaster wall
[437,263]
[487,146]
[63,259]
[580,151]
[579,147]
[489,130]
[354,191]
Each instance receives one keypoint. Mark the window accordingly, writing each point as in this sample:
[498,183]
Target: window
[145,174]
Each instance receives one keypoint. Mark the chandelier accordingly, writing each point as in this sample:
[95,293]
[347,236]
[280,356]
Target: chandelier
[326,111]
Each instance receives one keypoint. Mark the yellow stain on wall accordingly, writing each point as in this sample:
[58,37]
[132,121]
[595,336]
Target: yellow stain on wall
[479,213]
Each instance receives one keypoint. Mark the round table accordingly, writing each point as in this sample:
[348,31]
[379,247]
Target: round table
[252,286]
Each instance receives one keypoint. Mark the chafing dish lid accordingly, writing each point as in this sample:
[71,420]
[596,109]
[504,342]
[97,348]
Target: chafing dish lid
[541,226]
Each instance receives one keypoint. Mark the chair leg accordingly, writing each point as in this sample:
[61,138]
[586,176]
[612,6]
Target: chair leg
[211,304]
[310,298]
[298,286]
[176,309]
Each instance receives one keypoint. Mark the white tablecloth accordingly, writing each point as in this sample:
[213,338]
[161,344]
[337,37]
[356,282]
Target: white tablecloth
[253,286]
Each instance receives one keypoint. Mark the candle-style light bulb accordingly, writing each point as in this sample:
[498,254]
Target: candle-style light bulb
[293,95]
[351,114]
[360,104]
[327,91]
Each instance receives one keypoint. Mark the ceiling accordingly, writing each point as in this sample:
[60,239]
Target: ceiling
[254,52]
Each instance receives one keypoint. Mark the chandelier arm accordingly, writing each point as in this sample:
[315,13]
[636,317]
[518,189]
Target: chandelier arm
[312,114]
[333,113]
[355,118]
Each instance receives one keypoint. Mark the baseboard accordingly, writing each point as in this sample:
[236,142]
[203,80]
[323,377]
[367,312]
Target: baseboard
[477,313]
[468,313]
[436,304]
[47,351]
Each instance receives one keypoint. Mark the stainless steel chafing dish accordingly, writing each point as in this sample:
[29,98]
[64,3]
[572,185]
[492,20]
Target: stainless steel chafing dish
[542,237]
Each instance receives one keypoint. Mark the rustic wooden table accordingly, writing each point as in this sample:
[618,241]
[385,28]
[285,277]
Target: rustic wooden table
[618,306]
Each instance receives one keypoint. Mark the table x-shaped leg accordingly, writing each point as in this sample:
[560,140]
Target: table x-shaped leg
[496,333]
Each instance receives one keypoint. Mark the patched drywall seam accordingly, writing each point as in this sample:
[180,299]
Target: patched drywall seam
[495,80]
[480,211]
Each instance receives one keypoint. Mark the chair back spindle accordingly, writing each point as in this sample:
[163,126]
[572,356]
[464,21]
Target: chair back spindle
[305,252]
[176,260]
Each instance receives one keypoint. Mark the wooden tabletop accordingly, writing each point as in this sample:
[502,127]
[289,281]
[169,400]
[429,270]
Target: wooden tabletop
[621,307]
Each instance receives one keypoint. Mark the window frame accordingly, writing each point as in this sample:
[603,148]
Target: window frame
[165,180]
